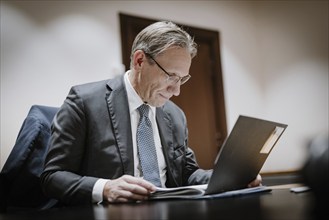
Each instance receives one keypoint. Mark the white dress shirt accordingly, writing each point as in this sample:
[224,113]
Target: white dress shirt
[134,101]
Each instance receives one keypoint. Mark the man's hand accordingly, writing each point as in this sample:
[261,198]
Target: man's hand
[256,182]
[126,189]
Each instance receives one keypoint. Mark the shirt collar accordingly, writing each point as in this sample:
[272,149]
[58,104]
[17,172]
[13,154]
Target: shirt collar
[134,100]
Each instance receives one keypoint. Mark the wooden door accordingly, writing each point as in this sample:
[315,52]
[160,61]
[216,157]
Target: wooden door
[202,97]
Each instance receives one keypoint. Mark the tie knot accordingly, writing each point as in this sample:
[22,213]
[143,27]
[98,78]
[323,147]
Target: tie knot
[143,110]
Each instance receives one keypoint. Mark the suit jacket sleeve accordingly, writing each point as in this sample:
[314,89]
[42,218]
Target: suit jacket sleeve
[63,176]
[91,139]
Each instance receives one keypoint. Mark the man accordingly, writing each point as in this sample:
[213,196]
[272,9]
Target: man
[95,150]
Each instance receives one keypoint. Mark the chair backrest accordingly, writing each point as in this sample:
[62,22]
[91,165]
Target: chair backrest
[20,176]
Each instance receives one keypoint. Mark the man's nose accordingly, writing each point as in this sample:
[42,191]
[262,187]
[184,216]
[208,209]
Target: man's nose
[175,89]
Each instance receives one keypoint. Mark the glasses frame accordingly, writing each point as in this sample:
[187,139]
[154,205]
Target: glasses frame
[173,77]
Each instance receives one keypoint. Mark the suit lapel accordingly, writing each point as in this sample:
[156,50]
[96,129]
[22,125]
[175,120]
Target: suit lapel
[117,103]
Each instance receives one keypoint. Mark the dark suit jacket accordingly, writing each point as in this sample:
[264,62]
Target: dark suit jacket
[92,139]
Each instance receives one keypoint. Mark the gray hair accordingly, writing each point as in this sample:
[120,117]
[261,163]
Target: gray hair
[159,36]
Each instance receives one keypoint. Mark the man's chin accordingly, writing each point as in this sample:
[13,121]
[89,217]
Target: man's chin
[158,103]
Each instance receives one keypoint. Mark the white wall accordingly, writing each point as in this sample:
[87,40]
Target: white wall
[274,59]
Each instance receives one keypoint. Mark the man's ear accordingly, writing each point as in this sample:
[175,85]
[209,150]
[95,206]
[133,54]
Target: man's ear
[138,59]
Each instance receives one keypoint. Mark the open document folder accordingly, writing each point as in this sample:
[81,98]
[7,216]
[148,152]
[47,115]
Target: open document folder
[238,162]
[198,192]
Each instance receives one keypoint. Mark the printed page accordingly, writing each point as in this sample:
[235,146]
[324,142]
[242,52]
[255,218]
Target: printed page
[179,192]
[198,191]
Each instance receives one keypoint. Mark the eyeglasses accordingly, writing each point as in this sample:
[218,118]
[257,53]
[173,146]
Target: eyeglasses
[172,78]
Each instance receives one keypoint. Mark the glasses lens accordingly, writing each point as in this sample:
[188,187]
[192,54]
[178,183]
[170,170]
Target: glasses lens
[176,79]
[173,79]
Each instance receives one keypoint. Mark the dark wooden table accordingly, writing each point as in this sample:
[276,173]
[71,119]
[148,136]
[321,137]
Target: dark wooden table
[278,204]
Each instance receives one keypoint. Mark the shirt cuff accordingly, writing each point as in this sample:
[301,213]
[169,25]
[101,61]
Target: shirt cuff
[97,194]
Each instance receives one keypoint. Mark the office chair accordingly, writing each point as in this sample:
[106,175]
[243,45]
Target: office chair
[19,178]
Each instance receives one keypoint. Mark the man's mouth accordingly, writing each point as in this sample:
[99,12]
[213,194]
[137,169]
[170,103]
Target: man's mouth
[165,97]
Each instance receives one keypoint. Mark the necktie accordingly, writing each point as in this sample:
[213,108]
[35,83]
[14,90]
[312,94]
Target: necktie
[146,147]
